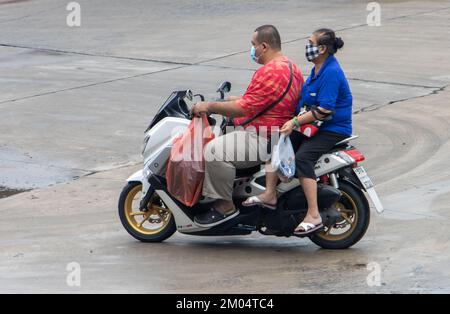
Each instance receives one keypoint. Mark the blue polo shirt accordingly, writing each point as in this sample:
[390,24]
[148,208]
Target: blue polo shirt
[329,89]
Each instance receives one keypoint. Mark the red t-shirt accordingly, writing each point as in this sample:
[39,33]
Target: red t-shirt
[267,85]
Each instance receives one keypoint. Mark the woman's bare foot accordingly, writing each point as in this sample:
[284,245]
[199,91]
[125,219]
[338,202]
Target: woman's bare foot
[316,220]
[267,198]
[224,207]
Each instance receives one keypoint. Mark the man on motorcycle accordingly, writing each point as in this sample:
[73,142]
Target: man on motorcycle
[268,103]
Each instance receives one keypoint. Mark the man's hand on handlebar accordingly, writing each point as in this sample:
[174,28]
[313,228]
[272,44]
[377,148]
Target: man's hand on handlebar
[200,108]
[224,108]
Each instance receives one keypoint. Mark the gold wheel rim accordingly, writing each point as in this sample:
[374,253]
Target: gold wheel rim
[150,222]
[349,215]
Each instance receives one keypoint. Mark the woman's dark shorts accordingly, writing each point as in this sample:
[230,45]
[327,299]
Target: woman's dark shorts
[310,149]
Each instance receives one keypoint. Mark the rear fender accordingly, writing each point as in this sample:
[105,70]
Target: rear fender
[358,187]
[347,174]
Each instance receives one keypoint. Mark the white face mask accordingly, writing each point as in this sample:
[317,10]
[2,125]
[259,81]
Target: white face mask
[311,52]
[253,54]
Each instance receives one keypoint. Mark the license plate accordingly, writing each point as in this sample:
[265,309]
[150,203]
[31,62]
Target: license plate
[363,177]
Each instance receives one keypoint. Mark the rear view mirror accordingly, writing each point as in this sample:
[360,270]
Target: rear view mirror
[225,87]
[189,95]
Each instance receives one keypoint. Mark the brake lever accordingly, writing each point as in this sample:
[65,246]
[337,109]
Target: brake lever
[202,98]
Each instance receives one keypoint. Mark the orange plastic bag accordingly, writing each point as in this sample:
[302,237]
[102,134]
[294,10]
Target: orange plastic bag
[186,167]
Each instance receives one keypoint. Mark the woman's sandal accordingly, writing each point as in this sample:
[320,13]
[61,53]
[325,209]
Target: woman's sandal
[307,228]
[256,201]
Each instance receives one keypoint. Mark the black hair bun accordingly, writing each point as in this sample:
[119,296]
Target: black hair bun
[339,43]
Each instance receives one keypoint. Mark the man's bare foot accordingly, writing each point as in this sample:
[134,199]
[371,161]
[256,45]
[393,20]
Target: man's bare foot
[224,207]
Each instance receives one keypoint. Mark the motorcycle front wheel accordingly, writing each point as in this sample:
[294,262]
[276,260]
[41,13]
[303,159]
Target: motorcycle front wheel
[154,224]
[353,223]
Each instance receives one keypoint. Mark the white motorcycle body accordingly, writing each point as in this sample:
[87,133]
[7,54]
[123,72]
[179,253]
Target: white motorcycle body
[157,146]
[343,191]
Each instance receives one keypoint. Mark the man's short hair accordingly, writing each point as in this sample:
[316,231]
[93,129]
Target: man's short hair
[269,34]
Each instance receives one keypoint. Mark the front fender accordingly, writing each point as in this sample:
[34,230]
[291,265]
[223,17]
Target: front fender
[138,176]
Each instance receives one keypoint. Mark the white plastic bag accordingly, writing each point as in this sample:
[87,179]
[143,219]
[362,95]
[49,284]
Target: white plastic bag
[283,158]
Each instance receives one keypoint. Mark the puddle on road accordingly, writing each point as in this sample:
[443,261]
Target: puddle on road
[5,192]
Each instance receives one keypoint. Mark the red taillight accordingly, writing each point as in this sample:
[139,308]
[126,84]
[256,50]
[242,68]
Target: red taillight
[356,155]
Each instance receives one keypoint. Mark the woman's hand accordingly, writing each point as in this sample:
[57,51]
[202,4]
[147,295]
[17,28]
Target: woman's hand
[287,128]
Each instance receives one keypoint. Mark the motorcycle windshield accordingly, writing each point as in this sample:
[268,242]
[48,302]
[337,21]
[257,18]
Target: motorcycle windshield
[174,106]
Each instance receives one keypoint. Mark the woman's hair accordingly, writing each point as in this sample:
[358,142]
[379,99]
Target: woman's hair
[327,37]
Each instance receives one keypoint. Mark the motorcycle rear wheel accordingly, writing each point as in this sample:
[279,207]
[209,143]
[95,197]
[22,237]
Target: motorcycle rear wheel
[355,214]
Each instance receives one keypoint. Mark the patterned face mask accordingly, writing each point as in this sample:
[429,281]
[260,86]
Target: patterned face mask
[311,52]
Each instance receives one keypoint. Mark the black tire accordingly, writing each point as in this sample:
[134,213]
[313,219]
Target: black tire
[164,234]
[362,223]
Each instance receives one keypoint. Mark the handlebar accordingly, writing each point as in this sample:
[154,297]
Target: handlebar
[225,87]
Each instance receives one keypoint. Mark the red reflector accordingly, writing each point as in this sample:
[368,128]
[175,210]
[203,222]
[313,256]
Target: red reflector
[324,179]
[356,155]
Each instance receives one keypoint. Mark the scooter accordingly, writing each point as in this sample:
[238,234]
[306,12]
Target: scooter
[150,214]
